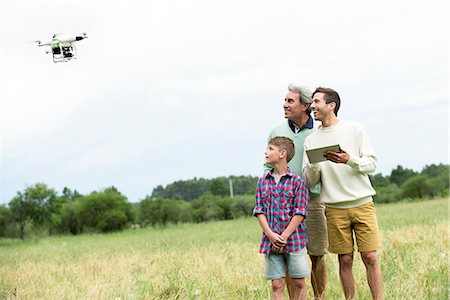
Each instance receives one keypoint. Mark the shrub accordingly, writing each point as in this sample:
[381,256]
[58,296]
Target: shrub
[105,211]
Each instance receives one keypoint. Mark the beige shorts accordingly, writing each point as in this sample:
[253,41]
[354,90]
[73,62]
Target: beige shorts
[316,228]
[343,222]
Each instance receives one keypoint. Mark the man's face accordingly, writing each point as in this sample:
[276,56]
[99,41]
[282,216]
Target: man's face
[293,108]
[320,107]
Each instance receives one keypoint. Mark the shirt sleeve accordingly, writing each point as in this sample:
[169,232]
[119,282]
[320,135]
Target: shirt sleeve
[366,162]
[259,207]
[311,172]
[301,198]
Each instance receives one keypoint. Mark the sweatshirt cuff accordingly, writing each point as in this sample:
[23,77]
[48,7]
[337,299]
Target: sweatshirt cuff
[351,162]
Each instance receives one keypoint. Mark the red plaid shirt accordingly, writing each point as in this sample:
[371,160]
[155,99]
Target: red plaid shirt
[279,203]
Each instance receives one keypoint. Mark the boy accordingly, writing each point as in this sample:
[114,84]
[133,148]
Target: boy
[281,201]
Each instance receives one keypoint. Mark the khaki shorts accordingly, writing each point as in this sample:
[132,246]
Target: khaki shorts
[316,228]
[342,222]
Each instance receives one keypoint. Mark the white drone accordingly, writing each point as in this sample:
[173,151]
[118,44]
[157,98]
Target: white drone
[62,46]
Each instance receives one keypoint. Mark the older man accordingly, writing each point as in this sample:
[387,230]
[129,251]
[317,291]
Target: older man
[297,126]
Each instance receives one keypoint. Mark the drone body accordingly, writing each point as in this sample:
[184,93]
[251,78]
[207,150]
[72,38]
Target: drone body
[62,46]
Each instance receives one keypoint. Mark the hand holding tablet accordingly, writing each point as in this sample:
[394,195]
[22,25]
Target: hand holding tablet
[318,154]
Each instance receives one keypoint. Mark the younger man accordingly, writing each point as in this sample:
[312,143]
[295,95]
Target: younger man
[346,190]
[281,201]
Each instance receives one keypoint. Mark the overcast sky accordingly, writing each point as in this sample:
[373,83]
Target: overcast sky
[170,90]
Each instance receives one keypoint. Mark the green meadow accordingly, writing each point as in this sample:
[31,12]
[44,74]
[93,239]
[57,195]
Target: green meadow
[217,260]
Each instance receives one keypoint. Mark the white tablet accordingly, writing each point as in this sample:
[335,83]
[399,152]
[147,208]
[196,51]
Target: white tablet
[316,155]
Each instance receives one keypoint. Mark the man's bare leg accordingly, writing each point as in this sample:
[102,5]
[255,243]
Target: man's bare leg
[318,276]
[373,273]
[346,274]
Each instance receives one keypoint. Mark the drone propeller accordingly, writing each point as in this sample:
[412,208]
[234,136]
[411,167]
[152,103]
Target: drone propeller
[38,42]
[56,34]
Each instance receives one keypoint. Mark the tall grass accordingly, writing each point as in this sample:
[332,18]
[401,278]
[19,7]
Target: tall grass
[217,260]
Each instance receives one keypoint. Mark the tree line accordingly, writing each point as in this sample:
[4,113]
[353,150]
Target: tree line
[404,183]
[192,189]
[39,209]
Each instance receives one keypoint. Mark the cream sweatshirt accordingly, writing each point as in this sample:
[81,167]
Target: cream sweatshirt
[343,185]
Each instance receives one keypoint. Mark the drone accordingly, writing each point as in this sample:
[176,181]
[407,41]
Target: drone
[62,46]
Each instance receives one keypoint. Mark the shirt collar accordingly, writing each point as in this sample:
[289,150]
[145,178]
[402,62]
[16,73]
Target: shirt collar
[288,173]
[308,125]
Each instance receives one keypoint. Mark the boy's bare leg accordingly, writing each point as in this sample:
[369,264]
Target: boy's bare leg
[373,273]
[278,289]
[290,286]
[346,274]
[298,289]
[318,276]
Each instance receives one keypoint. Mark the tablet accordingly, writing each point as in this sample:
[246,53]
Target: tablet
[316,155]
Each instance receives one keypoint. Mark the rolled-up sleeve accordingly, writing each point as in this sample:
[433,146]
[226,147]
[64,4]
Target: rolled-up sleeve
[301,199]
[259,207]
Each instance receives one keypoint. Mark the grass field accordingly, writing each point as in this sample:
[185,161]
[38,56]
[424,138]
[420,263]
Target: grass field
[217,260]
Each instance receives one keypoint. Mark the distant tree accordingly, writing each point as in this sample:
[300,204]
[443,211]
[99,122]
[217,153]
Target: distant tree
[146,210]
[417,187]
[20,211]
[69,195]
[158,192]
[194,188]
[440,185]
[438,178]
[105,211]
[379,180]
[225,203]
[244,185]
[208,208]
[164,211]
[242,205]
[35,204]
[219,186]
[399,175]
[5,220]
[69,218]
[435,170]
[387,193]
[182,189]
[433,181]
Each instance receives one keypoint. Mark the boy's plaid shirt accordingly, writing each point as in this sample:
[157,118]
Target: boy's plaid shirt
[279,203]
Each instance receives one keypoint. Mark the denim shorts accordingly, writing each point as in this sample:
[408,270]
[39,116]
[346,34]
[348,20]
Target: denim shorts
[296,263]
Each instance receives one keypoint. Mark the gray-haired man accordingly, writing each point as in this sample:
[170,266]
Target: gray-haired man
[298,126]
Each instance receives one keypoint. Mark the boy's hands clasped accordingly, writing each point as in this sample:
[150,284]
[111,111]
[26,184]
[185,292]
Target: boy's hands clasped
[278,242]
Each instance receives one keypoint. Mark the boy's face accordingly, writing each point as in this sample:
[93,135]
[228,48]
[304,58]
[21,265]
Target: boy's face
[273,154]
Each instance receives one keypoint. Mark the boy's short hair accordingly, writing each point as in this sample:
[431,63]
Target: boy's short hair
[284,143]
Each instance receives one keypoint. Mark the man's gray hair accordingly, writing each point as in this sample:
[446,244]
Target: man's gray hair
[305,93]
